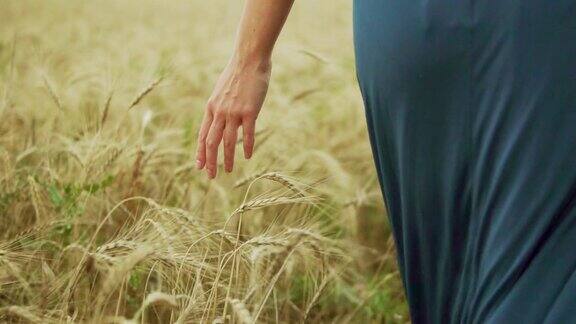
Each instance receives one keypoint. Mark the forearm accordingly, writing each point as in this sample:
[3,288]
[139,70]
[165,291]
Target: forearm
[260,26]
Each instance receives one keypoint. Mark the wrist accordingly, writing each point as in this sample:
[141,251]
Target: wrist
[252,61]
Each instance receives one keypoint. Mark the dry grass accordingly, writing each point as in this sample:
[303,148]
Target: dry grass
[104,218]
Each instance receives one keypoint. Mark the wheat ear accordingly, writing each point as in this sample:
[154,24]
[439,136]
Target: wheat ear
[52,93]
[241,311]
[145,92]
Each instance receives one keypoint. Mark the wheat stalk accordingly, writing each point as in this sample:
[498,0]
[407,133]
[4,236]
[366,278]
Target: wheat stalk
[120,244]
[117,273]
[241,311]
[21,312]
[106,109]
[145,92]
[317,296]
[99,163]
[305,94]
[157,298]
[93,260]
[272,176]
[260,203]
[52,93]
[36,198]
[248,179]
[314,55]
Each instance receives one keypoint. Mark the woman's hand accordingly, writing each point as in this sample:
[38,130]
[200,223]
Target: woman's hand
[235,101]
[241,89]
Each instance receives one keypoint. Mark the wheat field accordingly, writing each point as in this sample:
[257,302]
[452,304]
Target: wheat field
[106,220]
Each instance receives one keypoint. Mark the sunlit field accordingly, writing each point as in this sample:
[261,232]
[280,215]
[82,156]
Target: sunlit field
[105,218]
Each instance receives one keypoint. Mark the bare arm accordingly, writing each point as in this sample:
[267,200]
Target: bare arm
[241,89]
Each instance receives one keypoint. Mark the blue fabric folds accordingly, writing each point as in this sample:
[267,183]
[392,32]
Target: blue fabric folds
[471,110]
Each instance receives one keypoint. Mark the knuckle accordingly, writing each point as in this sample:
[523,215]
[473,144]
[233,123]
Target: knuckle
[250,114]
[210,104]
[236,114]
[211,144]
[219,113]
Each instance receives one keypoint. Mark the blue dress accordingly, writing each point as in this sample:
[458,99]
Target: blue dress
[471,111]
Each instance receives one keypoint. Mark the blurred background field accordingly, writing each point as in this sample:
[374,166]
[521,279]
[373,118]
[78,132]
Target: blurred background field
[105,219]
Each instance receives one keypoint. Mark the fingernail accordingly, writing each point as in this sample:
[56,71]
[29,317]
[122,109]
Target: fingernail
[198,164]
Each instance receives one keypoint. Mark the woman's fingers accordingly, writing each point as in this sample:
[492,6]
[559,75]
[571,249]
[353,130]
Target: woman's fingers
[216,127]
[212,142]
[248,125]
[230,137]
[202,135]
